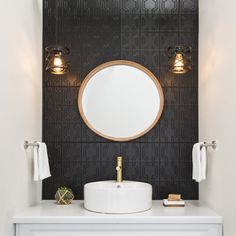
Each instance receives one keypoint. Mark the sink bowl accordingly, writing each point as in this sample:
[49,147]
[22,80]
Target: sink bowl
[114,197]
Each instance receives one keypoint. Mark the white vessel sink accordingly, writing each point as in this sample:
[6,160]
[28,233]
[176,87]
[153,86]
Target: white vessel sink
[114,197]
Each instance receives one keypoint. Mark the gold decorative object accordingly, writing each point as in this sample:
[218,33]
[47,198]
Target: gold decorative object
[64,196]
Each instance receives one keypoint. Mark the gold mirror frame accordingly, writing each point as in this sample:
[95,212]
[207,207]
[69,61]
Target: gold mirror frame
[112,63]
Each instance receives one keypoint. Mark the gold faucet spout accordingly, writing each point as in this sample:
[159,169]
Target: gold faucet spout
[119,170]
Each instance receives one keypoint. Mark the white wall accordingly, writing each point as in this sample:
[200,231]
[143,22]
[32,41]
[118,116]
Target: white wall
[217,101]
[20,104]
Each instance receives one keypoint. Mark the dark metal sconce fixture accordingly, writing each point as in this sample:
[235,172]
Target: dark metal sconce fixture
[56,60]
[179,59]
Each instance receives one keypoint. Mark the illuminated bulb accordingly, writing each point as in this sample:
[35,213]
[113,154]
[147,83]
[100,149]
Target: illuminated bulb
[57,65]
[179,63]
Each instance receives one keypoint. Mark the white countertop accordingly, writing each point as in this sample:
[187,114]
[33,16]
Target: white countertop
[48,213]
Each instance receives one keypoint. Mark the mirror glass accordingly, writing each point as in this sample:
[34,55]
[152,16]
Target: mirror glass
[120,100]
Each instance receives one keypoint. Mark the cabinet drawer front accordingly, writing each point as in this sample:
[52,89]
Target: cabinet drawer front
[118,230]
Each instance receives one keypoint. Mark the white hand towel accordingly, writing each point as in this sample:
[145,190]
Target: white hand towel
[197,163]
[36,163]
[41,164]
[203,162]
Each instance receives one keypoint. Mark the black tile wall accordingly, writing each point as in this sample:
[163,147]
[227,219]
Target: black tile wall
[139,30]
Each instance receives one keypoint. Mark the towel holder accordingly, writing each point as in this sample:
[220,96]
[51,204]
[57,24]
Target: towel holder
[27,144]
[212,145]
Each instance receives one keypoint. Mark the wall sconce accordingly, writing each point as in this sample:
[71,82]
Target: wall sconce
[56,55]
[56,60]
[179,59]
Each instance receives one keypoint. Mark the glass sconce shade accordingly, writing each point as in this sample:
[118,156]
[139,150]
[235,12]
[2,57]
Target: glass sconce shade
[56,60]
[179,59]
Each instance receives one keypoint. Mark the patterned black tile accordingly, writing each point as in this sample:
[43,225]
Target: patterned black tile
[170,114]
[130,22]
[150,23]
[168,39]
[169,6]
[169,23]
[137,30]
[169,132]
[169,171]
[70,132]
[150,6]
[131,152]
[188,6]
[99,23]
[150,152]
[91,153]
[109,152]
[71,152]
[188,113]
[168,79]
[188,132]
[185,169]
[189,79]
[130,40]
[152,136]
[190,39]
[171,96]
[169,152]
[131,6]
[149,58]
[185,154]
[188,96]
[132,171]
[150,171]
[91,172]
[149,41]
[189,22]
[107,171]
[51,131]
[131,55]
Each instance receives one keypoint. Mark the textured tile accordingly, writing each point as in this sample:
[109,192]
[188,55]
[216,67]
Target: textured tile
[130,22]
[168,39]
[97,31]
[130,41]
[149,58]
[169,152]
[131,6]
[91,153]
[71,152]
[185,154]
[150,153]
[132,171]
[188,6]
[169,23]
[149,41]
[189,22]
[131,152]
[169,6]
[150,171]
[150,23]
[171,96]
[150,6]
[109,152]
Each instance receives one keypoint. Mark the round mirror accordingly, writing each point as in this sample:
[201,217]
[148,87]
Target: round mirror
[120,100]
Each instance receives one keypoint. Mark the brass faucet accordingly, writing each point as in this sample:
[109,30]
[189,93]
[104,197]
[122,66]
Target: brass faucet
[119,170]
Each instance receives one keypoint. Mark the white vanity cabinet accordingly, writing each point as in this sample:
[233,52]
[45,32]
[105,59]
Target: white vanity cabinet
[49,219]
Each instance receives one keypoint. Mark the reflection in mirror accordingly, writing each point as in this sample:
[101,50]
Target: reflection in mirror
[120,100]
